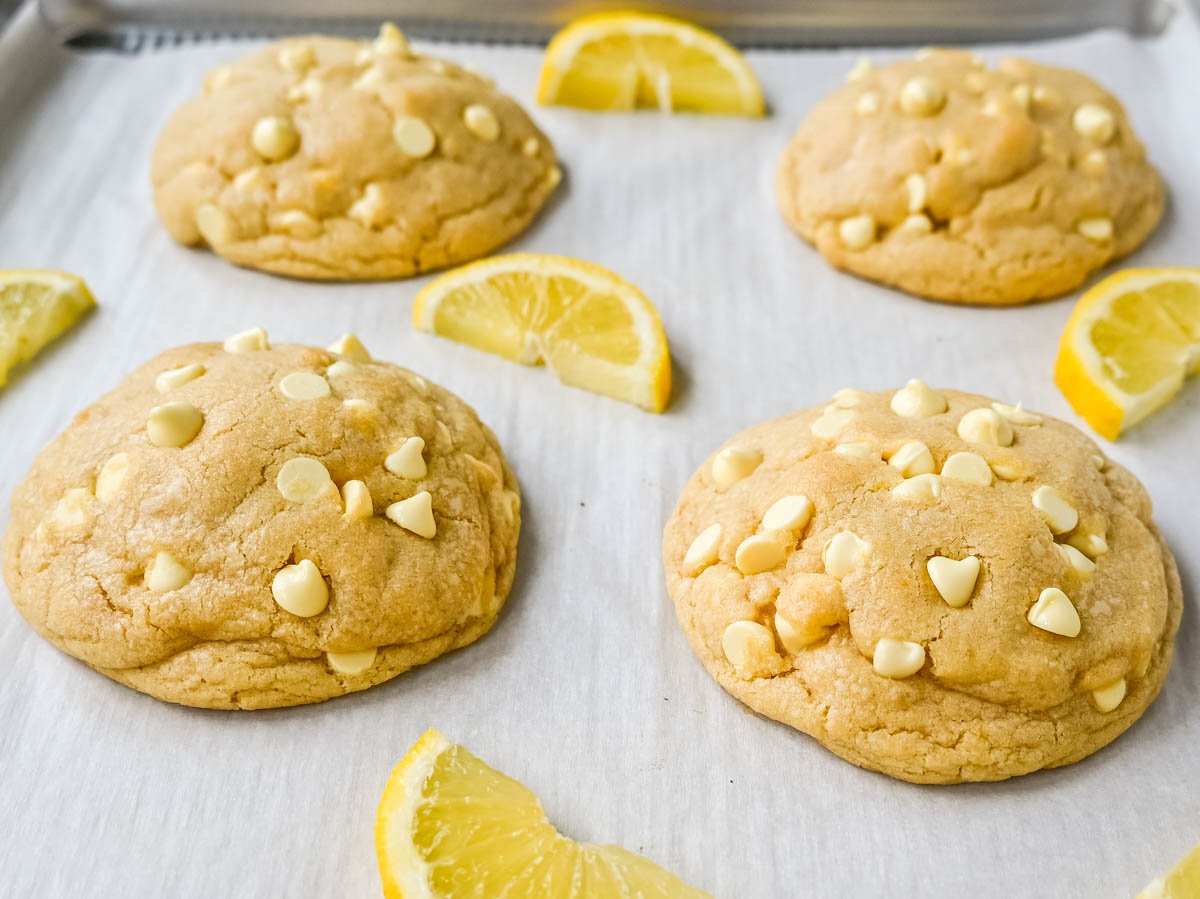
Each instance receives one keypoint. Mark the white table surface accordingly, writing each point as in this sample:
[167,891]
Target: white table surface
[585,689]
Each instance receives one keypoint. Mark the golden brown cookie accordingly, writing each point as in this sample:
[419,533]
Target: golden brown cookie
[250,526]
[933,585]
[329,158]
[958,182]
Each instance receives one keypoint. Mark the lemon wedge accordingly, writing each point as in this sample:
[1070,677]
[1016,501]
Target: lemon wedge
[1181,882]
[1129,344]
[593,329]
[625,60]
[448,826]
[36,306]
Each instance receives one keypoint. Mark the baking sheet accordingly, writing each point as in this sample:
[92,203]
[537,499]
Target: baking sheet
[585,689]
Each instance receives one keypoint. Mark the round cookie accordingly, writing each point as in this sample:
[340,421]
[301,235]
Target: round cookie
[933,585]
[957,182]
[328,158]
[251,526]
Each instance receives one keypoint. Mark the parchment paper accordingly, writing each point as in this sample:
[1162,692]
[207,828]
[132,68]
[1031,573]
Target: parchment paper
[585,689]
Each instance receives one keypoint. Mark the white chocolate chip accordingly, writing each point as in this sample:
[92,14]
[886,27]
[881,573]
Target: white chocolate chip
[371,209]
[733,463]
[369,77]
[861,69]
[297,223]
[1047,97]
[481,122]
[531,146]
[166,573]
[921,488]
[214,225]
[832,423]
[788,513]
[954,579]
[917,400]
[352,663]
[414,136]
[703,551]
[1080,564]
[1091,545]
[356,499]
[1108,698]
[917,223]
[844,553]
[363,414]
[275,137]
[1094,163]
[391,41]
[857,450]
[218,78]
[408,460]
[303,385]
[759,553]
[111,475]
[553,177]
[750,649]
[1099,462]
[1059,514]
[917,192]
[415,514]
[310,88]
[302,479]
[868,103]
[897,658]
[174,424]
[1095,122]
[339,369]
[419,384]
[445,434]
[796,638]
[176,377]
[922,96]
[846,398]
[1022,95]
[250,179]
[969,467]
[300,589]
[913,458]
[1097,229]
[1009,469]
[857,232]
[985,426]
[71,511]
[1055,613]
[252,341]
[975,83]
[350,347]
[1017,415]
[297,58]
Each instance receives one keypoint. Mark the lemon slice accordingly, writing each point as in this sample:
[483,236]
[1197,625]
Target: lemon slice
[449,826]
[1181,882]
[593,329]
[1129,344]
[628,60]
[36,306]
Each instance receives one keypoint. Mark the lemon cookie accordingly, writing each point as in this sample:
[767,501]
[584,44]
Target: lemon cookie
[246,525]
[958,182]
[932,584]
[329,158]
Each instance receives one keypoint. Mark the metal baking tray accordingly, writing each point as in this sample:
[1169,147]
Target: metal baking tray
[747,22]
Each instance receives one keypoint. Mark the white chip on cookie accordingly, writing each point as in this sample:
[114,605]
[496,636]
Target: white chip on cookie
[408,459]
[301,589]
[350,347]
[352,663]
[1059,514]
[954,579]
[922,95]
[303,385]
[302,480]
[750,649]
[166,573]
[252,340]
[111,476]
[985,426]
[414,136]
[919,488]
[356,500]
[1095,122]
[968,467]
[1109,697]
[415,514]
[898,658]
[1017,415]
[857,232]
[844,553]
[275,137]
[174,378]
[832,423]
[917,400]
[1054,612]
[759,553]
[174,424]
[912,458]
[702,551]
[481,122]
[788,513]
[1079,563]
[734,463]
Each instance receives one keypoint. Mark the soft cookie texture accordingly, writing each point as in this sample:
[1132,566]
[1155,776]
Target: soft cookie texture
[250,526]
[932,585]
[329,158]
[958,182]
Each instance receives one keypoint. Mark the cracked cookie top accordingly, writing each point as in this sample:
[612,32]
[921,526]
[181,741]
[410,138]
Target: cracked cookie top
[935,585]
[328,158]
[958,182]
[248,526]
